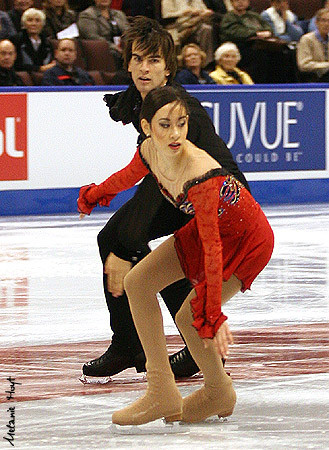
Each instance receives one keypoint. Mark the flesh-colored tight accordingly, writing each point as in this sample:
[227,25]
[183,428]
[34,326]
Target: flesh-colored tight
[162,398]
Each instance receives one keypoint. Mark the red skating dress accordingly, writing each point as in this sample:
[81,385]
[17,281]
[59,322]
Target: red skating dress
[228,234]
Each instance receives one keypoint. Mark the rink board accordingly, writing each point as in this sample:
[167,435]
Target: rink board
[54,140]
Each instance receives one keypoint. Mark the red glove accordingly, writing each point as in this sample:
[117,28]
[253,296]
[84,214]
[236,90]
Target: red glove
[88,198]
[83,205]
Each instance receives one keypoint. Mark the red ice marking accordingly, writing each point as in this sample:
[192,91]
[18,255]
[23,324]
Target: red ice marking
[50,371]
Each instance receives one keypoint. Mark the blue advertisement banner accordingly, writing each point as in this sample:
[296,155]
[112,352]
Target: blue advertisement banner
[270,130]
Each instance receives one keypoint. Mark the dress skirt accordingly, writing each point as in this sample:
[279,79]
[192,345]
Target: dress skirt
[244,254]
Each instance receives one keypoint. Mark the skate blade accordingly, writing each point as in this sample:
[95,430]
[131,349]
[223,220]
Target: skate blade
[209,421]
[155,427]
[94,380]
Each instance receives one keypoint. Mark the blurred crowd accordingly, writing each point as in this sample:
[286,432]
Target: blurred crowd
[79,42]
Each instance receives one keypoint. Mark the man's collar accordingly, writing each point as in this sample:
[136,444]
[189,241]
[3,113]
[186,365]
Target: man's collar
[319,37]
[64,68]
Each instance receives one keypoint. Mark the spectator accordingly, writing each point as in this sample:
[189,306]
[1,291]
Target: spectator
[8,76]
[102,22]
[34,51]
[187,22]
[192,59]
[65,73]
[283,22]
[312,50]
[312,22]
[266,58]
[227,57]
[7,29]
[241,24]
[58,17]
[16,12]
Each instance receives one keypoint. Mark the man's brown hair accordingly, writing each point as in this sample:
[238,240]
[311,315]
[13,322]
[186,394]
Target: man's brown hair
[150,37]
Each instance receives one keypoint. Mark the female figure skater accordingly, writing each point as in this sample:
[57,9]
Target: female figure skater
[220,250]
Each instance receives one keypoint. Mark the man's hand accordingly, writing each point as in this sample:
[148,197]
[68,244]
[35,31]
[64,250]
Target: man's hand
[222,340]
[116,269]
[264,34]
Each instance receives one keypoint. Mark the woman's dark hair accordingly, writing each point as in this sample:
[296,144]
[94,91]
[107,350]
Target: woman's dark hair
[159,97]
[149,37]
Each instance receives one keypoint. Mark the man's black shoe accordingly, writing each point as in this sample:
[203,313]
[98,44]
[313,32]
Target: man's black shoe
[111,363]
[182,364]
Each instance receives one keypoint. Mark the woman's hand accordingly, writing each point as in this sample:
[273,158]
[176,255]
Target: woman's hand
[222,340]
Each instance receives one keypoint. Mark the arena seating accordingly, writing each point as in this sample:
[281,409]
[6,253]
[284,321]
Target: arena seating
[96,76]
[26,77]
[97,55]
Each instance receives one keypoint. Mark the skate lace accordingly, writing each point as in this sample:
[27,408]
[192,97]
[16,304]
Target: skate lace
[178,357]
[103,358]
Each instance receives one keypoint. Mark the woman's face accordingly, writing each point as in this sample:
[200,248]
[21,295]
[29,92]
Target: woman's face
[33,24]
[192,58]
[168,129]
[229,60]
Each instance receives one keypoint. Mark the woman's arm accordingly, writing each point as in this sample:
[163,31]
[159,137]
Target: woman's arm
[205,198]
[102,194]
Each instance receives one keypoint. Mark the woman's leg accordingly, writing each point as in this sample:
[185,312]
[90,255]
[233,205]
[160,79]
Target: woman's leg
[217,396]
[162,399]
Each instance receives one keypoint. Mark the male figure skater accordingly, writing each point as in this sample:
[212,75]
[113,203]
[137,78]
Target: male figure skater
[149,56]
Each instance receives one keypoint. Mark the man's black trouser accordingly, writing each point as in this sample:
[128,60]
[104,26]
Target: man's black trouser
[147,216]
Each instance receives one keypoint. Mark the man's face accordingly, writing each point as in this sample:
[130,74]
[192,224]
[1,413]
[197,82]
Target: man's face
[323,24]
[240,6]
[23,5]
[66,53]
[7,54]
[147,71]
